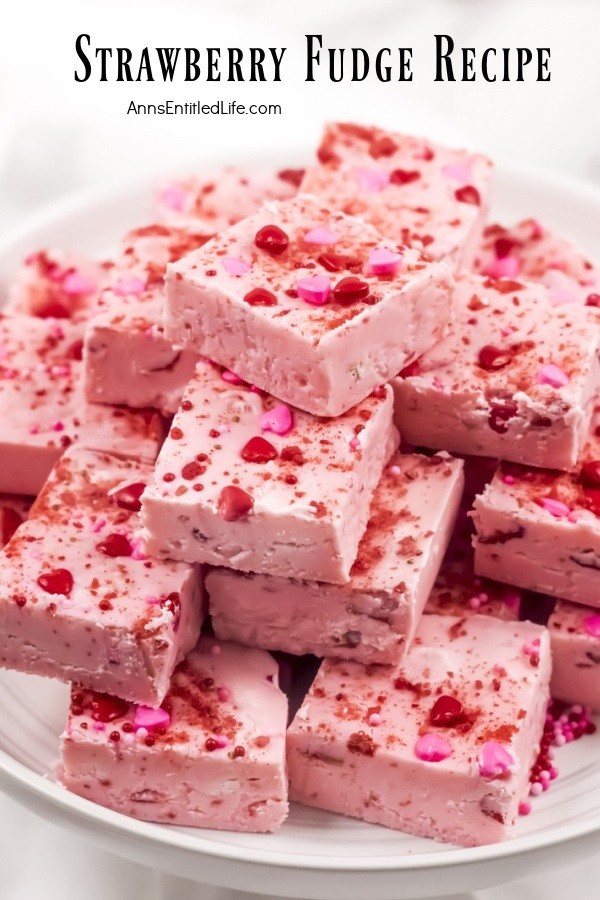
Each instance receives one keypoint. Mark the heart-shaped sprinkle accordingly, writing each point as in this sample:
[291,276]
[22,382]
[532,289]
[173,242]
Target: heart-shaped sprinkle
[432,748]
[235,266]
[260,297]
[493,358]
[506,267]
[552,375]
[173,197]
[495,761]
[383,262]
[349,290]
[446,712]
[278,420]
[128,285]
[258,450]
[404,176]
[76,283]
[591,625]
[234,503]
[272,239]
[320,236]
[151,719]
[555,507]
[468,194]
[371,180]
[315,289]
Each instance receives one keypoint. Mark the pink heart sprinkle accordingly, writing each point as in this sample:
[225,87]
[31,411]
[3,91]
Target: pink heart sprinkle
[505,267]
[320,236]
[372,180]
[235,266]
[591,625]
[129,285]
[458,172]
[383,262]
[552,375]
[432,748]
[315,289]
[278,420]
[495,760]
[146,717]
[173,197]
[555,507]
[76,283]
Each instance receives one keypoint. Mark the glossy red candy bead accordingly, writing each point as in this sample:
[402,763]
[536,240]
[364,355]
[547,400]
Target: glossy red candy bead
[115,545]
[105,708]
[468,194]
[337,262]
[404,176]
[446,712]
[59,581]
[128,497]
[234,503]
[272,239]
[260,297]
[493,358]
[258,450]
[350,289]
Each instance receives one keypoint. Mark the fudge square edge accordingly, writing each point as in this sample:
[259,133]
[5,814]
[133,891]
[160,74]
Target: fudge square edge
[440,746]
[213,755]
[247,483]
[311,305]
[79,600]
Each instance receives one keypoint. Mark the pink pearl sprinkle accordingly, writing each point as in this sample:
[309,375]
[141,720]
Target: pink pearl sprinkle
[127,738]
[383,262]
[235,266]
[395,470]
[98,525]
[375,720]
[555,507]
[76,283]
[129,285]
[591,625]
[474,602]
[221,740]
[432,748]
[320,236]
[58,426]
[315,289]
[371,180]
[223,694]
[552,375]
[508,479]
[99,726]
[173,197]
[536,789]
[495,760]
[148,718]
[524,808]
[278,420]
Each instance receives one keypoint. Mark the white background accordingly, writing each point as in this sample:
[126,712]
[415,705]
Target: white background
[57,136]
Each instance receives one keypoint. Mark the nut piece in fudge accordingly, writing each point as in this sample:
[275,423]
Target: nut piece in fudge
[246,482]
[413,191]
[219,199]
[575,642]
[512,378]
[440,746]
[372,618]
[212,756]
[80,601]
[56,285]
[44,411]
[540,529]
[308,304]
[529,250]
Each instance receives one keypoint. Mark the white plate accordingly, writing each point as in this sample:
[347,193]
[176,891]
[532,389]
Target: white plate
[316,854]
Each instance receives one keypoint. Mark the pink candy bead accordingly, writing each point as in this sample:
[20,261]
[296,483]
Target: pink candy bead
[555,507]
[383,262]
[320,236]
[235,266]
[495,760]
[278,420]
[148,718]
[552,375]
[432,748]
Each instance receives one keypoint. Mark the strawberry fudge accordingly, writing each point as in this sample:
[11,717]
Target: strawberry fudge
[56,285]
[529,250]
[575,641]
[212,756]
[79,599]
[308,304]
[414,192]
[372,618]
[44,410]
[440,746]
[540,529]
[219,199]
[512,378]
[249,483]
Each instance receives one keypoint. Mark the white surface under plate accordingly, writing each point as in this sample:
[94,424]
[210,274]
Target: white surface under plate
[315,855]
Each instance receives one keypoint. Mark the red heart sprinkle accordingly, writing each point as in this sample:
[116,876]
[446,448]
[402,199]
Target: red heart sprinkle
[492,359]
[446,712]
[234,503]
[403,176]
[106,708]
[260,297]
[468,194]
[272,240]
[115,545]
[59,581]
[128,497]
[350,289]
[258,450]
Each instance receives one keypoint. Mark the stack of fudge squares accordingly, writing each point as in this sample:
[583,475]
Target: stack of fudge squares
[270,428]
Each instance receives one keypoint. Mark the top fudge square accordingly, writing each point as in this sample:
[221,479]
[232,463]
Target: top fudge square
[311,305]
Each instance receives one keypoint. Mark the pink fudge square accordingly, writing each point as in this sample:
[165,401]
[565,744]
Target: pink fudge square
[512,378]
[303,315]
[575,642]
[540,529]
[373,618]
[440,746]
[245,482]
[44,410]
[413,191]
[79,600]
[529,250]
[213,756]
[57,285]
[219,199]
